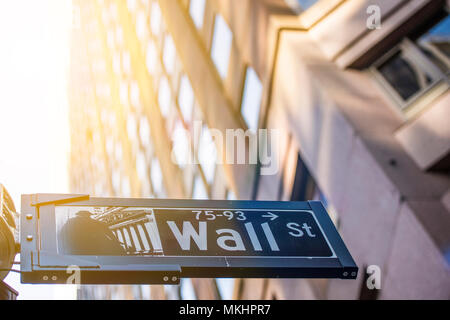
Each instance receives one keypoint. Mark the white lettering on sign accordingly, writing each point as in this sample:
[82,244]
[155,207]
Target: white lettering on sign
[231,240]
[188,232]
[298,232]
[295,227]
[269,235]
[308,230]
[253,237]
[235,237]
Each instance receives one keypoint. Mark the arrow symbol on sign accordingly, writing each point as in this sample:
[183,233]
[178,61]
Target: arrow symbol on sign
[270,215]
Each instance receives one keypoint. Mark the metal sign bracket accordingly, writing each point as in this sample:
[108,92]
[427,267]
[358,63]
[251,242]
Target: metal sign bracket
[41,199]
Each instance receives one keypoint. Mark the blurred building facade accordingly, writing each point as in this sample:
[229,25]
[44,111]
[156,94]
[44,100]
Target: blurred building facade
[357,89]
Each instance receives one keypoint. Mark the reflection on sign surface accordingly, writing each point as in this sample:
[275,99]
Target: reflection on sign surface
[107,231]
[190,232]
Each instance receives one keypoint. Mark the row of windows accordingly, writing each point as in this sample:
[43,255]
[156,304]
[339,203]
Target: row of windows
[137,126]
[221,46]
[220,51]
[91,154]
[161,60]
[176,100]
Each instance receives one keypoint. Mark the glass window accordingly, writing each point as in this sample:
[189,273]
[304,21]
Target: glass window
[226,287]
[123,92]
[164,96]
[416,65]
[207,154]
[110,39]
[186,98]
[126,188]
[141,165]
[126,62]
[171,292]
[306,4]
[105,14]
[199,191]
[134,93]
[144,132]
[109,145]
[181,145]
[146,292]
[231,195]
[137,292]
[116,63]
[145,187]
[155,19]
[151,57]
[113,11]
[156,177]
[221,45]
[102,90]
[132,128]
[300,5]
[197,11]
[169,54]
[251,100]
[141,25]
[115,180]
[118,152]
[131,4]
[99,66]
[98,189]
[187,289]
[406,79]
[119,36]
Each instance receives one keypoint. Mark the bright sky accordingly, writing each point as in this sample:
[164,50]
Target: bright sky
[34,132]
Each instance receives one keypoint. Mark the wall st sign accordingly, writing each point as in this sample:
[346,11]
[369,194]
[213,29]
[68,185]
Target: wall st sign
[116,240]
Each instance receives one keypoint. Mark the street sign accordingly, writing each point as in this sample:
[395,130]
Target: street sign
[116,241]
[241,232]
